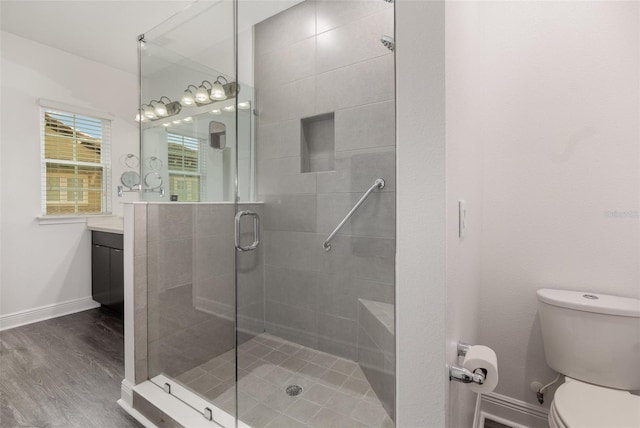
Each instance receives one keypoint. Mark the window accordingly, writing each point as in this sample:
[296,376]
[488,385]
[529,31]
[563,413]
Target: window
[75,163]
[186,167]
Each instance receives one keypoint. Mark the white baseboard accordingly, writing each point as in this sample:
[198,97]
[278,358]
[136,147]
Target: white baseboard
[42,313]
[509,411]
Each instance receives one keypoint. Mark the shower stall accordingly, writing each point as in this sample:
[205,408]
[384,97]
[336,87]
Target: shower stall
[265,245]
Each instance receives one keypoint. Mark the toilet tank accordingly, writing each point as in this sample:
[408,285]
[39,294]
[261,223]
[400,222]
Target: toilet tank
[592,337]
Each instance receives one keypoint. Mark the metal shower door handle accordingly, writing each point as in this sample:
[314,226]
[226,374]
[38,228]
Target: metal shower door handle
[256,230]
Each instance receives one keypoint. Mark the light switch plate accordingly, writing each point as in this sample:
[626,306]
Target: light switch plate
[462,217]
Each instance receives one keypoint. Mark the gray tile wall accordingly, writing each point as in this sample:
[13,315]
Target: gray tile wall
[376,349]
[190,285]
[315,58]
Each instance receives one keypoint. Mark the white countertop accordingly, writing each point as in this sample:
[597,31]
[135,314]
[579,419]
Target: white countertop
[109,224]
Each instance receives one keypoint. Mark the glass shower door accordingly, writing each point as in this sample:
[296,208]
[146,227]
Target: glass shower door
[189,155]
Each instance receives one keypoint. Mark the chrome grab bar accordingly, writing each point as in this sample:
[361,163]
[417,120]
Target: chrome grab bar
[378,184]
[256,231]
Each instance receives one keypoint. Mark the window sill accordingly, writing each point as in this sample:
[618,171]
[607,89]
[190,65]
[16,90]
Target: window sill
[67,219]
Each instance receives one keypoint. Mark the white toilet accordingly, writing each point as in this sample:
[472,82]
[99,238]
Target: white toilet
[594,340]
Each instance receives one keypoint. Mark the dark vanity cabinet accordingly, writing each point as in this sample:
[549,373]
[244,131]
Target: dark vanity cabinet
[107,270]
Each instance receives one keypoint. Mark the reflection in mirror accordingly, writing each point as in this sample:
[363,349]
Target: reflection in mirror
[153,180]
[217,137]
[188,146]
[188,80]
[196,156]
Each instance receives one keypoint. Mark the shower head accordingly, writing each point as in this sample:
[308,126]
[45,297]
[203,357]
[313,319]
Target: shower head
[388,42]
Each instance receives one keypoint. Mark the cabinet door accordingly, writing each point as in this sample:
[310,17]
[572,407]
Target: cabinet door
[100,273]
[117,281]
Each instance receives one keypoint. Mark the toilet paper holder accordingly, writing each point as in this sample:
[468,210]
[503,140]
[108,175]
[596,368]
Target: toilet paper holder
[460,374]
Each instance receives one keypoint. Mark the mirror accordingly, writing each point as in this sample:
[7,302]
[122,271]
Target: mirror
[190,147]
[153,180]
[130,180]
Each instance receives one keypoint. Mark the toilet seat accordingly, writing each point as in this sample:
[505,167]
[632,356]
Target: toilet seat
[582,405]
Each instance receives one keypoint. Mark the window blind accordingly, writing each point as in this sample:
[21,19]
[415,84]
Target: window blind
[186,167]
[75,163]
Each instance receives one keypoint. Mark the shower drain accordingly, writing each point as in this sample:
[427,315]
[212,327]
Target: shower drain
[293,390]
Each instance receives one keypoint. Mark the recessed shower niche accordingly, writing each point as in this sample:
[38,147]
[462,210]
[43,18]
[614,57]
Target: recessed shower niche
[318,143]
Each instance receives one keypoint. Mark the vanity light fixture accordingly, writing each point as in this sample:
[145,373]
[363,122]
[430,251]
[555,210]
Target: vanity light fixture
[220,90]
[148,111]
[202,94]
[187,97]
[160,107]
[217,90]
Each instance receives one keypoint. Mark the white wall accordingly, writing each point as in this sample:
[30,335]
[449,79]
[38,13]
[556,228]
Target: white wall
[551,92]
[49,264]
[464,182]
[420,256]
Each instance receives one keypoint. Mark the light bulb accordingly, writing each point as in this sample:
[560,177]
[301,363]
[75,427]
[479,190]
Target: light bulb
[160,109]
[187,98]
[148,112]
[244,106]
[217,92]
[202,95]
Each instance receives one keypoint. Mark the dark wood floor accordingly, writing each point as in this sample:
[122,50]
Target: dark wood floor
[64,372]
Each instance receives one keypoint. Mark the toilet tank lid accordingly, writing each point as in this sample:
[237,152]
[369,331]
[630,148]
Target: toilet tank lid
[591,302]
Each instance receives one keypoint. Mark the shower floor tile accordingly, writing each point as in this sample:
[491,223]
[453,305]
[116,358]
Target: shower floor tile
[335,392]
